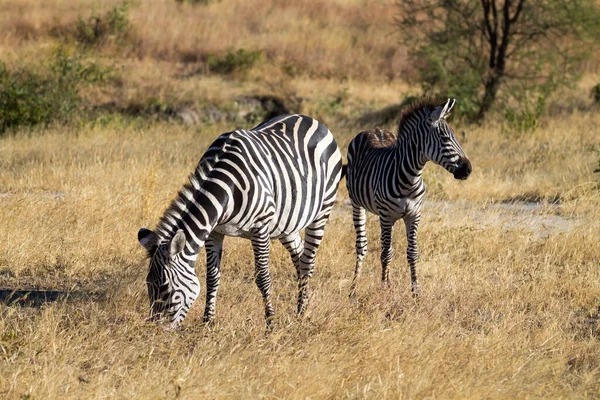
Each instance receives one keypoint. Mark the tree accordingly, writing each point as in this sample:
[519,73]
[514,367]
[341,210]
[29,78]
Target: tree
[490,50]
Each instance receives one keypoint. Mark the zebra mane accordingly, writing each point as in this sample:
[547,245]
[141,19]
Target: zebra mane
[416,110]
[168,223]
[170,219]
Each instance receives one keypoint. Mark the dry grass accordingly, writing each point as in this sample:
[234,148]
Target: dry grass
[313,51]
[329,39]
[510,297]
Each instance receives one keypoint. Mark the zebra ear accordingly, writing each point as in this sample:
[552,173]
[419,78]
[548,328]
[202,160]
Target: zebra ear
[147,238]
[177,243]
[442,112]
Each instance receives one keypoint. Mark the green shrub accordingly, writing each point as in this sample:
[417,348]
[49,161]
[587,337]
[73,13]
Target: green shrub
[98,29]
[290,69]
[234,62]
[596,93]
[328,106]
[527,117]
[32,96]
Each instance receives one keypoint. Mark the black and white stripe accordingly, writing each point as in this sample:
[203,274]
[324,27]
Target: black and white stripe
[385,177]
[266,183]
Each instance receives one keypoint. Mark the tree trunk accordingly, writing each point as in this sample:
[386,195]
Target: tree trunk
[491,90]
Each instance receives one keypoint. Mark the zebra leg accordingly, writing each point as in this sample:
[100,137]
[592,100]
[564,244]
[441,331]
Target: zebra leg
[261,244]
[412,253]
[386,250]
[312,240]
[214,248]
[359,216]
[294,244]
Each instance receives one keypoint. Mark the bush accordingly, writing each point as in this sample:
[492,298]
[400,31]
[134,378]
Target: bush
[527,117]
[238,62]
[98,29]
[30,96]
[596,93]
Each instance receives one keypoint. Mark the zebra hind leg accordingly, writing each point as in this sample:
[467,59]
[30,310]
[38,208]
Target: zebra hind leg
[387,251]
[295,245]
[261,244]
[359,216]
[312,240]
[412,252]
[214,247]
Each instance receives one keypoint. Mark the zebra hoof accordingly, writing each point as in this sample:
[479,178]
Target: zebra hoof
[415,291]
[173,326]
[270,323]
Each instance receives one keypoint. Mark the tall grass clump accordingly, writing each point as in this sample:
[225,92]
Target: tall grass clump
[39,95]
[99,29]
[234,62]
[595,92]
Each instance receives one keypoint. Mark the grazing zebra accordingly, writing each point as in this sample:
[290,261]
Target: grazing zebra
[266,183]
[385,177]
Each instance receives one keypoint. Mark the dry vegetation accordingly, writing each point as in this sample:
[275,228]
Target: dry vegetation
[305,46]
[511,294]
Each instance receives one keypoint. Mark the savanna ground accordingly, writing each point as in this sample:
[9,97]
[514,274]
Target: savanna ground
[510,304]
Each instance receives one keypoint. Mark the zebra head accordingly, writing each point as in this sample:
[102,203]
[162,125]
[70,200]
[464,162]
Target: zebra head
[442,147]
[172,282]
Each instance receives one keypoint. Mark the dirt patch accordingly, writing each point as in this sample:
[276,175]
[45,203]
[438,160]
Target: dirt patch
[540,219]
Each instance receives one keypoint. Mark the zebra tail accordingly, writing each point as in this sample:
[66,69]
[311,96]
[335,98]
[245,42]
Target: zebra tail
[344,170]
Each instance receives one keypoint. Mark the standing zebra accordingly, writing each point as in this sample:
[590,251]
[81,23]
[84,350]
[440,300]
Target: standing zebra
[266,183]
[385,177]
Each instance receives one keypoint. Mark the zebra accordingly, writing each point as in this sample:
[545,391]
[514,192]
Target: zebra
[266,183]
[384,177]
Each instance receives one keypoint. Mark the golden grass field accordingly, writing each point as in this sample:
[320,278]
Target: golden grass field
[510,303]
[509,259]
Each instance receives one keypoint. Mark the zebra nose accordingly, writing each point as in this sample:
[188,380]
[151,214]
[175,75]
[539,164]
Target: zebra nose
[464,169]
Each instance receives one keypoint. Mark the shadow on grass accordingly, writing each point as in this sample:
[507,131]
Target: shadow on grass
[38,297]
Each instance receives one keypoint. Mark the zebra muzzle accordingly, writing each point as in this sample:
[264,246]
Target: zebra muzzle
[463,169]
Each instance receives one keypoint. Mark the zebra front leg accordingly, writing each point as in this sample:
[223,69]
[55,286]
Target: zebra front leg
[261,244]
[214,247]
[412,253]
[359,216]
[386,250]
[312,240]
[295,245]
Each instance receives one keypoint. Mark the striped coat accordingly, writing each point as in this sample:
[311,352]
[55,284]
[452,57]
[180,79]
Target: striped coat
[384,177]
[266,183]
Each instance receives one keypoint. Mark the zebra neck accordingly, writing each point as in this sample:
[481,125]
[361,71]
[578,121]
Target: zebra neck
[410,158]
[197,210]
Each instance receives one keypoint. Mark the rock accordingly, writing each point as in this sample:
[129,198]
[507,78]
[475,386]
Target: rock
[188,117]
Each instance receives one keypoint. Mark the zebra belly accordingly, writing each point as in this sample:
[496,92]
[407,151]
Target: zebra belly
[235,231]
[394,208]
[276,229]
[232,230]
